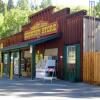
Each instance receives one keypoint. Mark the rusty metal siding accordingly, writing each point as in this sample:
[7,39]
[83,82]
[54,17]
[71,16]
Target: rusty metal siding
[72,29]
[42,15]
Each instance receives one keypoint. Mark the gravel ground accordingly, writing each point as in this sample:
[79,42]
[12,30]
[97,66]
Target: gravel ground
[39,89]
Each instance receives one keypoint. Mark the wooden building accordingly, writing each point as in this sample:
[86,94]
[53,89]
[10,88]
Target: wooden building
[60,35]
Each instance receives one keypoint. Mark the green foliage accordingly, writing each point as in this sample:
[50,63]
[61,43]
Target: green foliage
[13,21]
[97,9]
[12,18]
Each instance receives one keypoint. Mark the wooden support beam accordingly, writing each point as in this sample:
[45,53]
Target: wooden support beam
[1,72]
[10,66]
[19,64]
[33,69]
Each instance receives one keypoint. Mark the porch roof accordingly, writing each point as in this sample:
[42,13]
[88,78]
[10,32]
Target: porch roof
[28,43]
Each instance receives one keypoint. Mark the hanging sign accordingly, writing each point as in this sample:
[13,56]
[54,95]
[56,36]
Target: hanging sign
[41,28]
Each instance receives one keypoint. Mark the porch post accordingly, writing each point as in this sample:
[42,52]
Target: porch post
[65,72]
[9,65]
[2,63]
[19,63]
[33,69]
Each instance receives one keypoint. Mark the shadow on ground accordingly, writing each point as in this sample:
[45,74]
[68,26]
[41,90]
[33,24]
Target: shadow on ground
[30,88]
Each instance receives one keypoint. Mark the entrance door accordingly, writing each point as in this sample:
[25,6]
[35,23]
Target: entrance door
[26,63]
[72,62]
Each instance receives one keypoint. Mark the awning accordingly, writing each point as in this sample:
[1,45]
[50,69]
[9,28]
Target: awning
[44,39]
[28,43]
[15,47]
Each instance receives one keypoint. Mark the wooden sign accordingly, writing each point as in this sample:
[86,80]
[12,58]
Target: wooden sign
[41,28]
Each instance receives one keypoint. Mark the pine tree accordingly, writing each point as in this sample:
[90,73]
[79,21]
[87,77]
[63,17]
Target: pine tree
[45,3]
[23,4]
[97,9]
[10,4]
[5,10]
[1,6]
[34,5]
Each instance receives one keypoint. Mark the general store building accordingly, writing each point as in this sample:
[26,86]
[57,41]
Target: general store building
[61,35]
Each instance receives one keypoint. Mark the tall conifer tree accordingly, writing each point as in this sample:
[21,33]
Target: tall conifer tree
[45,3]
[23,4]
[10,4]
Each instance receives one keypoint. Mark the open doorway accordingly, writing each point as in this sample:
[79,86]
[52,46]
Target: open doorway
[26,63]
[44,60]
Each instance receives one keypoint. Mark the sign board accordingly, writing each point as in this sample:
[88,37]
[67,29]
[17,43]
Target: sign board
[41,28]
[42,67]
[50,70]
[51,63]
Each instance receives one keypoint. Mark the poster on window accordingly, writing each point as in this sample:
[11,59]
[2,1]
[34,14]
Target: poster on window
[16,68]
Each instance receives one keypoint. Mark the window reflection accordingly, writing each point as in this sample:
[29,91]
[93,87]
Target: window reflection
[71,54]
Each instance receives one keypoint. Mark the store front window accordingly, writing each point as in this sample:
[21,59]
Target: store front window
[39,57]
[39,64]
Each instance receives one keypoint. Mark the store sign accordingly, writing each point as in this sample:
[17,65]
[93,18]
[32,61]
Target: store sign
[41,28]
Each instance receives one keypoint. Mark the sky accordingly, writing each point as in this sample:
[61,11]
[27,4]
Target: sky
[68,2]
[73,2]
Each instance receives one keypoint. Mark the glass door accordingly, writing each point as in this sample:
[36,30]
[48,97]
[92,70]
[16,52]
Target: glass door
[72,62]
